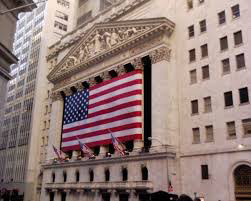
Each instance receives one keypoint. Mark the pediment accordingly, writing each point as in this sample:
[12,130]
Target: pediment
[105,39]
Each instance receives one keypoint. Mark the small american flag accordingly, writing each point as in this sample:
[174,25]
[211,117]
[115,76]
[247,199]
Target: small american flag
[114,104]
[86,150]
[170,187]
[59,153]
[118,145]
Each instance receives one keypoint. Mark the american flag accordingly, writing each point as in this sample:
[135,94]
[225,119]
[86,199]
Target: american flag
[86,150]
[118,145]
[114,104]
[59,153]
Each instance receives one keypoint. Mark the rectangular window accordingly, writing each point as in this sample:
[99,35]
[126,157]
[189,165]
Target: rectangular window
[223,43]
[205,72]
[204,51]
[195,107]
[204,172]
[60,26]
[191,31]
[64,3]
[240,61]
[243,92]
[236,11]
[192,56]
[61,15]
[231,132]
[207,104]
[189,4]
[225,66]
[222,17]
[246,124]
[193,76]
[228,98]
[209,133]
[238,38]
[196,135]
[203,26]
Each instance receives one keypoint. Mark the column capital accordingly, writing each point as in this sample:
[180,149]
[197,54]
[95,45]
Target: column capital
[105,75]
[67,91]
[137,63]
[120,70]
[91,81]
[56,95]
[160,54]
[79,86]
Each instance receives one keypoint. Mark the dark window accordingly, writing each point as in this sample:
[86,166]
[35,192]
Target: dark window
[204,50]
[123,196]
[51,196]
[240,61]
[191,31]
[107,175]
[144,172]
[204,172]
[222,17]
[201,1]
[63,196]
[236,11]
[111,149]
[238,38]
[225,65]
[77,176]
[193,76]
[192,56]
[96,150]
[228,98]
[203,26]
[106,196]
[195,108]
[53,177]
[196,135]
[231,129]
[129,145]
[244,95]
[189,4]
[205,72]
[223,43]
[91,175]
[246,124]
[65,176]
[124,174]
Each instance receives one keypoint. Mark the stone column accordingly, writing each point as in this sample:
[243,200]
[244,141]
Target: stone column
[133,196]
[56,122]
[164,97]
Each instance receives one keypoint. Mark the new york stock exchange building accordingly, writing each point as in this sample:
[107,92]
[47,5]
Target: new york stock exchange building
[126,74]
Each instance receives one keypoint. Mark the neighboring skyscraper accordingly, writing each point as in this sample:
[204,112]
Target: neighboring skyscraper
[21,123]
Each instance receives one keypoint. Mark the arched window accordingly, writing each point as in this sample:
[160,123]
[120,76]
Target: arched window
[53,176]
[77,176]
[124,174]
[144,172]
[91,175]
[65,176]
[107,175]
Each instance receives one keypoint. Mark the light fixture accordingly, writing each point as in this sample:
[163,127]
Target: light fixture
[241,146]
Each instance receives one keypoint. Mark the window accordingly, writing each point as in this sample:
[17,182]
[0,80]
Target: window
[205,72]
[225,66]
[204,51]
[77,176]
[61,15]
[201,1]
[238,38]
[107,175]
[240,61]
[53,176]
[194,105]
[228,98]
[246,124]
[236,11]
[203,26]
[193,76]
[204,172]
[222,17]
[192,56]
[243,92]
[144,172]
[223,43]
[196,135]
[207,104]
[124,174]
[51,196]
[91,175]
[65,176]
[209,133]
[189,4]
[60,26]
[191,31]
[63,196]
[63,3]
[231,132]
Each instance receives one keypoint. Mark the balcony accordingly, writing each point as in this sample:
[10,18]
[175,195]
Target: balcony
[116,185]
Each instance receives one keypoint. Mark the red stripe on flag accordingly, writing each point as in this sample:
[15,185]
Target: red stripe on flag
[104,121]
[102,132]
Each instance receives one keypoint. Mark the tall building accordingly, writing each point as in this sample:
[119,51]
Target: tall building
[187,121]
[21,122]
[8,21]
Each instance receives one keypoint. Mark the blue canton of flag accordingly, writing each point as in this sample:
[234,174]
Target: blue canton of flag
[76,107]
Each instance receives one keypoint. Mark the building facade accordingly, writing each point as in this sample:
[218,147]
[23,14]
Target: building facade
[21,122]
[194,58]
